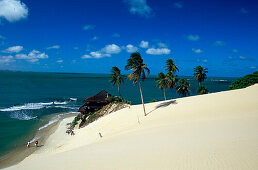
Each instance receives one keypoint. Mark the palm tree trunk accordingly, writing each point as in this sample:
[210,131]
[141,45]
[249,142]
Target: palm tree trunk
[142,98]
[171,93]
[199,83]
[165,93]
[118,91]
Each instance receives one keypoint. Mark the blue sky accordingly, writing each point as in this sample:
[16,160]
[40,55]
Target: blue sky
[88,36]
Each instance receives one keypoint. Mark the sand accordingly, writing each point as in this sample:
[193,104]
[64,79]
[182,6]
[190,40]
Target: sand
[213,131]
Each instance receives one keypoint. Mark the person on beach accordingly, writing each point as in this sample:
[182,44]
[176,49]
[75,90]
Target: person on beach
[28,144]
[36,143]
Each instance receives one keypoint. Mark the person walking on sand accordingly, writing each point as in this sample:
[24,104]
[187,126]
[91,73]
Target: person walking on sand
[37,143]
[28,144]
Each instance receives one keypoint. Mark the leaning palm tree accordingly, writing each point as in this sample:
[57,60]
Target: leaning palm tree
[171,66]
[116,78]
[183,87]
[171,81]
[161,81]
[138,68]
[200,74]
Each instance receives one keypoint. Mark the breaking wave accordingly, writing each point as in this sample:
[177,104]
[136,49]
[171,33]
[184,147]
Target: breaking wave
[27,106]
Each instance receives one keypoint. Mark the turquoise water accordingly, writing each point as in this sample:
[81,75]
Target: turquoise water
[30,101]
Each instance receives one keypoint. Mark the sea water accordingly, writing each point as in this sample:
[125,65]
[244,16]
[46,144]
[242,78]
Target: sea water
[30,102]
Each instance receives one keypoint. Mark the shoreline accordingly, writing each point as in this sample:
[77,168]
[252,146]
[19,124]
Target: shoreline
[213,131]
[22,152]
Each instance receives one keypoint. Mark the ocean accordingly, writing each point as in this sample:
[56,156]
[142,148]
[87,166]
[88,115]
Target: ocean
[30,101]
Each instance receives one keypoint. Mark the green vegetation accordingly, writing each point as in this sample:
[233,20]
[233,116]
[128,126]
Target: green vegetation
[200,74]
[75,121]
[161,81]
[245,81]
[171,81]
[153,100]
[183,87]
[116,78]
[138,68]
[116,99]
[202,90]
[171,67]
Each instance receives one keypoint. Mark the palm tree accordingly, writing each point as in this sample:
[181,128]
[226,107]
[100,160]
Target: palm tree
[171,81]
[116,78]
[161,81]
[135,64]
[171,66]
[183,87]
[202,90]
[200,74]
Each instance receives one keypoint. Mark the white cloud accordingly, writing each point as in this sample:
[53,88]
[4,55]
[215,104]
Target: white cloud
[95,38]
[158,51]
[219,43]
[235,51]
[6,59]
[242,57]
[53,47]
[60,61]
[139,7]
[95,54]
[33,56]
[178,4]
[104,52]
[162,45]
[86,56]
[89,27]
[130,48]
[197,50]
[252,67]
[144,44]
[13,10]
[14,49]
[193,37]
[116,35]
[76,48]
[205,60]
[98,54]
[202,60]
[244,11]
[111,49]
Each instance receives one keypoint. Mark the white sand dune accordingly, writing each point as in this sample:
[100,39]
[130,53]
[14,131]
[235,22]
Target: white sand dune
[213,131]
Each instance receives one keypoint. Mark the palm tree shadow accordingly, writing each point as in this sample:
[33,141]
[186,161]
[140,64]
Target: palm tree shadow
[163,104]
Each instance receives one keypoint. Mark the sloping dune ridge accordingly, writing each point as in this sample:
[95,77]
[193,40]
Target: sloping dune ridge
[213,131]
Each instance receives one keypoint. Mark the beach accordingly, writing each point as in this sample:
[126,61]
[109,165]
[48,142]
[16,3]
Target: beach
[212,131]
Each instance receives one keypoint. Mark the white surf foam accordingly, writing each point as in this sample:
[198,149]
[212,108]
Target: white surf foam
[21,116]
[27,106]
[49,123]
[56,102]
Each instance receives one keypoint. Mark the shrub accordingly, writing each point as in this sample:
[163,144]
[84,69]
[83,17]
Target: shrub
[245,81]
[202,90]
[75,121]
[153,100]
[116,99]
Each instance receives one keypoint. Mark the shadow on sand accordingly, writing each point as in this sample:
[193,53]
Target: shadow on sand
[163,104]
